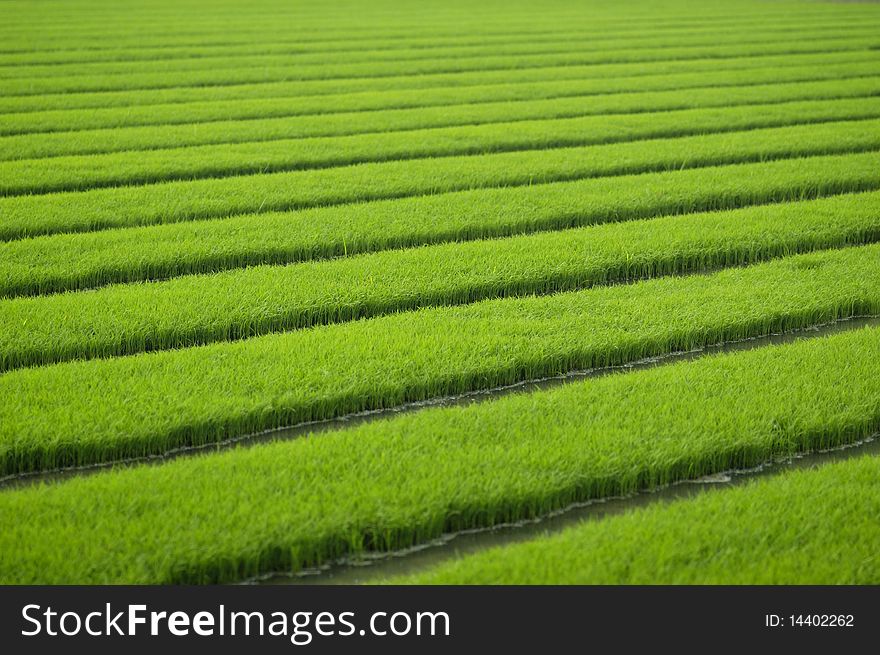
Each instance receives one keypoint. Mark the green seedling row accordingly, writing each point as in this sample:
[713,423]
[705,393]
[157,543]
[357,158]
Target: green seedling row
[806,527]
[156,31]
[216,198]
[301,281]
[556,105]
[126,319]
[547,45]
[401,42]
[73,261]
[66,29]
[405,44]
[282,72]
[49,110]
[80,172]
[396,483]
[80,413]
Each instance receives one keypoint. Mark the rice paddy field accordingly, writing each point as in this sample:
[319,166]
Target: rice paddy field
[288,287]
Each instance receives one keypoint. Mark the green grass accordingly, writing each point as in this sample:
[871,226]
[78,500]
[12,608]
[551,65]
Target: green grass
[52,111]
[807,527]
[218,219]
[412,42]
[191,310]
[265,120]
[137,167]
[404,43]
[151,403]
[203,199]
[403,481]
[70,261]
[368,69]
[552,44]
[190,26]
[299,25]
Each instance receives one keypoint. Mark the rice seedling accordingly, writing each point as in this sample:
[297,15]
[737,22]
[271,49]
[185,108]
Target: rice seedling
[395,483]
[235,121]
[151,403]
[556,43]
[65,261]
[219,221]
[52,110]
[137,167]
[126,319]
[195,28]
[407,42]
[285,71]
[806,527]
[203,199]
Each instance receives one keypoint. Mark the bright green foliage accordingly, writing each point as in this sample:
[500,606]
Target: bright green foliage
[413,43]
[151,403]
[240,121]
[287,505]
[202,199]
[808,527]
[513,47]
[220,218]
[72,26]
[282,71]
[87,171]
[125,319]
[71,261]
[25,114]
